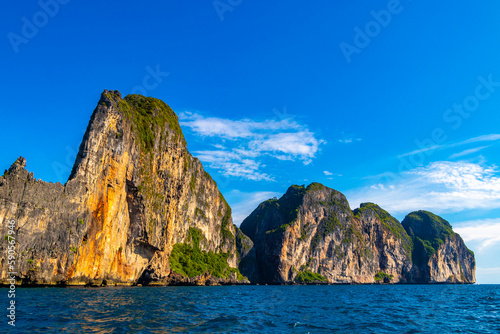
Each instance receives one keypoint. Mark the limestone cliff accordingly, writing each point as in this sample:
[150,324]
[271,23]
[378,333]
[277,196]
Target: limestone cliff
[439,253]
[135,195]
[310,235]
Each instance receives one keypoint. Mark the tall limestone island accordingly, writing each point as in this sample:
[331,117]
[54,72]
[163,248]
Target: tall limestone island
[439,254]
[137,208]
[310,235]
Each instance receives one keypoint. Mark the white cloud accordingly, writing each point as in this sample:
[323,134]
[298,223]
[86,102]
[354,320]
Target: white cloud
[245,141]
[383,187]
[439,187]
[467,152]
[486,232]
[234,164]
[430,148]
[345,141]
[488,275]
[491,137]
[484,138]
[491,270]
[302,145]
[231,129]
[348,140]
[331,175]
[243,203]
[463,177]
[216,156]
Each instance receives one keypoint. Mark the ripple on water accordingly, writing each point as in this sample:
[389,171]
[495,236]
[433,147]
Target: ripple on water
[262,309]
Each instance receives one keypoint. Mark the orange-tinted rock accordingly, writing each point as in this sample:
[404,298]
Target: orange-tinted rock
[133,193]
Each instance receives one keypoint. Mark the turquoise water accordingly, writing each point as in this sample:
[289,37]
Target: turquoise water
[258,309]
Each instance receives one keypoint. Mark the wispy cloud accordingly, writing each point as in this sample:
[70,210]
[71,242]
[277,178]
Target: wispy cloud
[383,187]
[232,129]
[467,152]
[491,137]
[423,150]
[484,138]
[439,187]
[243,203]
[349,140]
[331,175]
[489,270]
[486,232]
[488,275]
[300,144]
[238,164]
[247,141]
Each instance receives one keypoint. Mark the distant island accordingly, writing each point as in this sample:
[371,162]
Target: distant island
[139,209]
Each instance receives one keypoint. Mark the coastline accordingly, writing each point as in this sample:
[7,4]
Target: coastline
[90,285]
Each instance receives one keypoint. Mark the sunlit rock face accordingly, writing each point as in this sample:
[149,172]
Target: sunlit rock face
[134,192]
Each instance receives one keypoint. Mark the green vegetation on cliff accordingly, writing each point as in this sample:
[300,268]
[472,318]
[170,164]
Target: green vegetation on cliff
[328,225]
[306,277]
[389,223]
[226,233]
[381,276]
[189,260]
[192,183]
[224,227]
[148,115]
[288,204]
[428,232]
[315,187]
[287,207]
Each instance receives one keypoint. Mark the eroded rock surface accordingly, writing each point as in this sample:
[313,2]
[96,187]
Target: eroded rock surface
[310,235]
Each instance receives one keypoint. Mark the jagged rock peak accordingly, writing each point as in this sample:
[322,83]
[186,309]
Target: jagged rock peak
[18,167]
[21,161]
[107,94]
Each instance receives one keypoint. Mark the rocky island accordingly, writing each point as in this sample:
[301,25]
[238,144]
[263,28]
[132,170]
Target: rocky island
[138,208]
[311,235]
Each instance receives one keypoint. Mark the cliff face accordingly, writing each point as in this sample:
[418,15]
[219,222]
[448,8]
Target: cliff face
[310,235]
[439,253]
[134,196]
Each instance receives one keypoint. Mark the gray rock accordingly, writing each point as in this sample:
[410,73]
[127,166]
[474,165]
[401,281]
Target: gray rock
[310,235]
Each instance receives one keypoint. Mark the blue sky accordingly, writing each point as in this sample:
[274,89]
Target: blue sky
[391,102]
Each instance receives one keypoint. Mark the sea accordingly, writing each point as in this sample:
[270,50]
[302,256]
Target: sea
[257,309]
